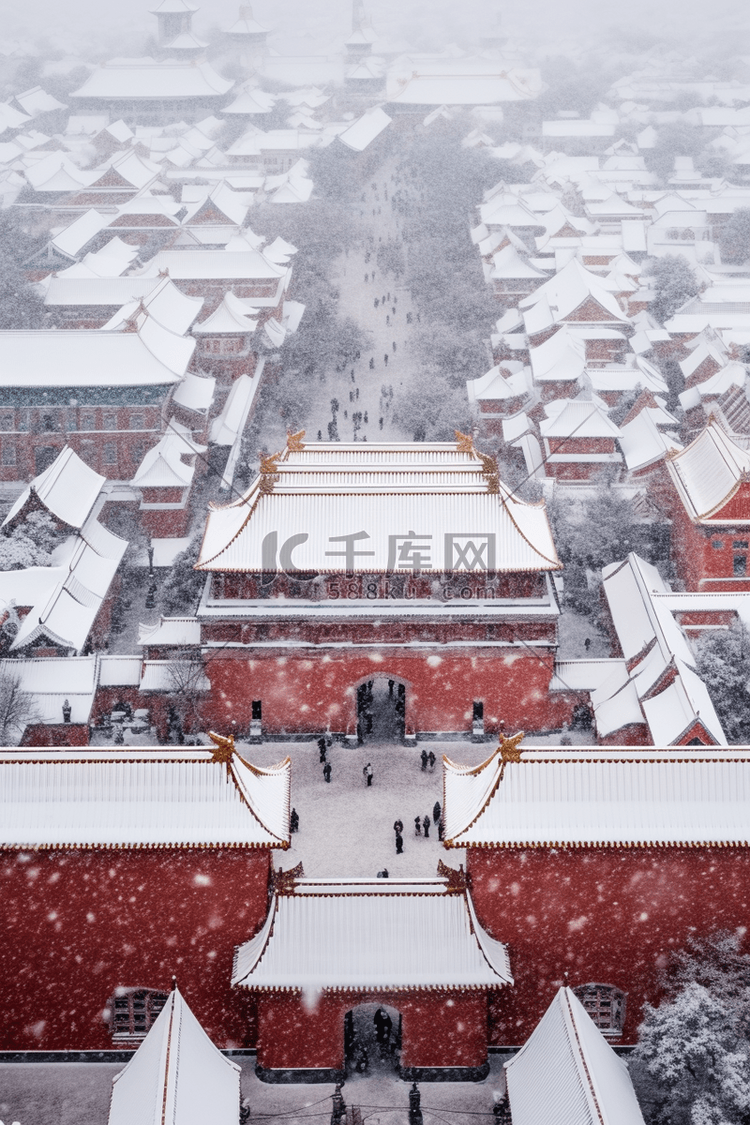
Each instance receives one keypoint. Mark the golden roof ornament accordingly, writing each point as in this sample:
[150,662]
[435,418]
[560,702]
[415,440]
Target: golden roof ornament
[294,442]
[510,748]
[270,463]
[464,442]
[223,748]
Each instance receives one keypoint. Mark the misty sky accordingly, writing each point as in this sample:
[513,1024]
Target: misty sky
[115,26]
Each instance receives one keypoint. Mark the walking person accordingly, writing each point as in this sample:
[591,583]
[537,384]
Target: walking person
[398,826]
[417,826]
[399,844]
[431,759]
[436,810]
[426,826]
[423,758]
[293,821]
[327,771]
[367,774]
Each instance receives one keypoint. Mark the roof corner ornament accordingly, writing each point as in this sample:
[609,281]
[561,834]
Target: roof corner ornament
[283,882]
[464,443]
[268,472]
[458,881]
[510,750]
[490,472]
[294,442]
[223,748]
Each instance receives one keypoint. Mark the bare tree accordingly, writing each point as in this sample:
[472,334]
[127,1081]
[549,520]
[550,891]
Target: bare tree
[187,686]
[17,709]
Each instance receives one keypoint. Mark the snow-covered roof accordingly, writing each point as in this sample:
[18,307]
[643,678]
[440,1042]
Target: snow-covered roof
[148,79]
[708,472]
[73,239]
[166,304]
[65,598]
[567,1072]
[371,935]
[176,1075]
[228,426]
[49,358]
[172,631]
[140,799]
[658,655]
[459,81]
[68,489]
[247,264]
[365,129]
[564,293]
[251,101]
[561,358]
[163,465]
[434,492]
[594,797]
[119,671]
[643,443]
[195,392]
[232,316]
[50,680]
[576,418]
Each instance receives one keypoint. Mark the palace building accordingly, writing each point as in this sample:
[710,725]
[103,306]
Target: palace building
[120,869]
[593,866]
[378,591]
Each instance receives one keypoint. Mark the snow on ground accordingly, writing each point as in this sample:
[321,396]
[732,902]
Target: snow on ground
[346,828]
[79,1094]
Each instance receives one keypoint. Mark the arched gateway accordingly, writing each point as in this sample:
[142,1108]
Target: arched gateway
[330,950]
[398,588]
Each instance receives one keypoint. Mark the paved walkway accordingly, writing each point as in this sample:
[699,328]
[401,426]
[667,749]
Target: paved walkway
[364,389]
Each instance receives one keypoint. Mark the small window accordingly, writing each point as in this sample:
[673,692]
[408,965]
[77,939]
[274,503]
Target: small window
[739,544]
[88,420]
[478,711]
[9,452]
[717,544]
[6,422]
[606,1006]
[132,1011]
[71,422]
[257,710]
[136,422]
[739,566]
[110,453]
[110,421]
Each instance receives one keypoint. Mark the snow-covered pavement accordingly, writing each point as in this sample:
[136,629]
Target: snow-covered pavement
[346,828]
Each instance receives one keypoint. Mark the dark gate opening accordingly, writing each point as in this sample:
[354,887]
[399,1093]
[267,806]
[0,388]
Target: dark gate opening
[372,1039]
[381,710]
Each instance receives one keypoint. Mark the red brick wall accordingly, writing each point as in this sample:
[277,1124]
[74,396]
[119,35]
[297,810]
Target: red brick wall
[309,691]
[605,915]
[438,1028]
[78,924]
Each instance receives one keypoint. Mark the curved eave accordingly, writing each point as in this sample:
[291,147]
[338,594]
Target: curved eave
[509,845]
[285,766]
[386,988]
[138,845]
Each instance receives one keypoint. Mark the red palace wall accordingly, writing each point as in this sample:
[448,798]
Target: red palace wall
[78,924]
[700,565]
[438,1029]
[313,691]
[610,916]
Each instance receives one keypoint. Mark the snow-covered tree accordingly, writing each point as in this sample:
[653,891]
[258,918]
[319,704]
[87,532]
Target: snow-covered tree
[17,709]
[692,1062]
[30,543]
[674,284]
[183,585]
[722,664]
